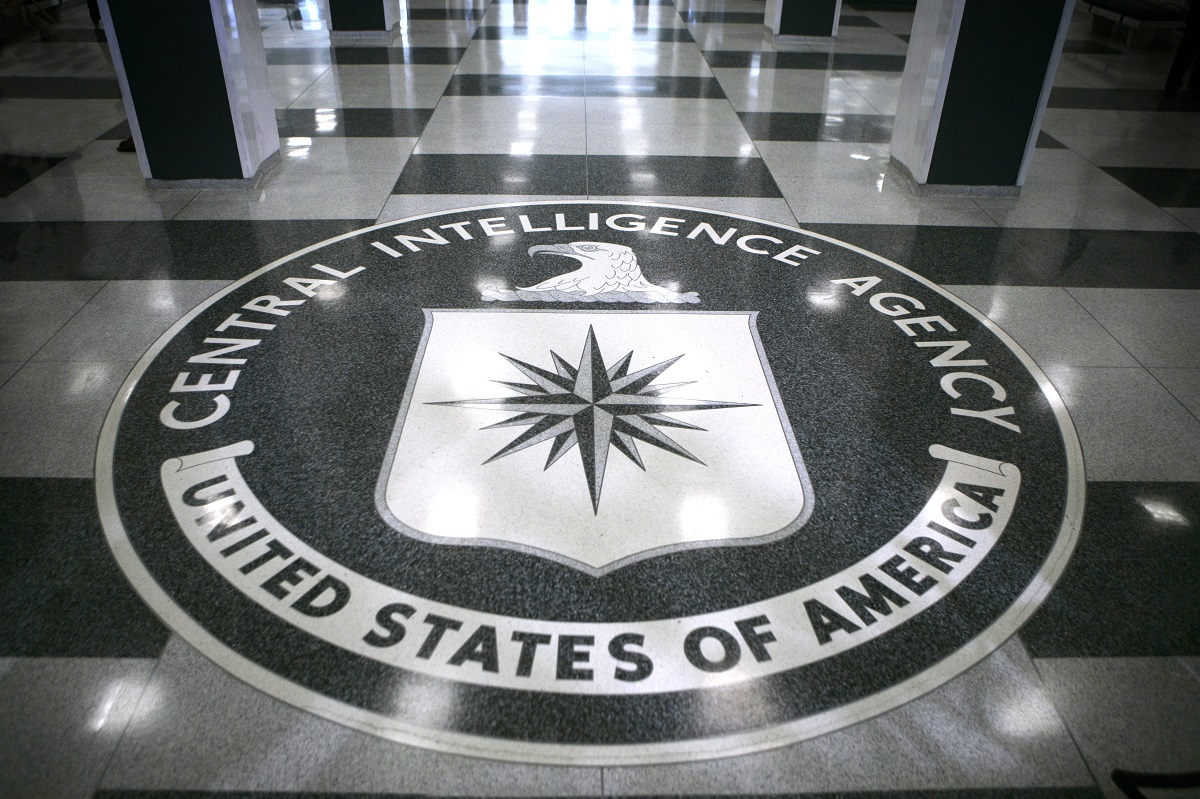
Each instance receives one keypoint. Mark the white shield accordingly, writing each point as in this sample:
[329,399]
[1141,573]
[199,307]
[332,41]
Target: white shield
[595,439]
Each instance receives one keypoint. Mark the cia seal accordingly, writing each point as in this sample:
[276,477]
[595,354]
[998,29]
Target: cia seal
[590,483]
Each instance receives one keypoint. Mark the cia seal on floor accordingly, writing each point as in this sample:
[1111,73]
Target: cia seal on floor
[590,483]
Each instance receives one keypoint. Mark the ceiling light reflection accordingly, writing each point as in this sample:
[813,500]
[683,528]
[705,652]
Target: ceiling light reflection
[703,518]
[1163,512]
[334,292]
[326,119]
[453,512]
[298,147]
[427,702]
[125,703]
[824,300]
[1023,716]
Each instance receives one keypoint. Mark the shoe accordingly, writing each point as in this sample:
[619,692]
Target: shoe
[127,146]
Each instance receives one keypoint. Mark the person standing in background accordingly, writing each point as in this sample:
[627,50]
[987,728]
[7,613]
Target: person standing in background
[1186,55]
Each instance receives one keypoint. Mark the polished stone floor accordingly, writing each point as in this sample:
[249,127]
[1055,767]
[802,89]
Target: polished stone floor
[1094,269]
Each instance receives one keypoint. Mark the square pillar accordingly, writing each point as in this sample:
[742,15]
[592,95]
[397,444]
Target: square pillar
[193,76]
[975,87]
[363,19]
[803,20]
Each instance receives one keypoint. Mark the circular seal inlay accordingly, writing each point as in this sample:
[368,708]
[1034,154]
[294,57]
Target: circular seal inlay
[590,483]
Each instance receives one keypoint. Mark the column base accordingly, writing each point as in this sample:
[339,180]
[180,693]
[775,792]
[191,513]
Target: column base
[950,190]
[233,184]
[786,39]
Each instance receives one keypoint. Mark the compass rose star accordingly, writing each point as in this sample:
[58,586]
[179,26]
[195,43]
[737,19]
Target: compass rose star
[595,407]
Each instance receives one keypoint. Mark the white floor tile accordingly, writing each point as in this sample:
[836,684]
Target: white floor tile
[633,113]
[124,318]
[62,719]
[797,90]
[93,198]
[1188,216]
[402,206]
[470,111]
[1131,428]
[210,729]
[1136,714]
[844,160]
[509,57]
[874,200]
[54,127]
[319,155]
[298,196]
[1048,324]
[50,417]
[1184,385]
[1173,339]
[1085,207]
[446,134]
[683,140]
[32,312]
[991,727]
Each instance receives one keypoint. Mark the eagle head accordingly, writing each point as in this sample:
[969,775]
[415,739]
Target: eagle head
[584,251]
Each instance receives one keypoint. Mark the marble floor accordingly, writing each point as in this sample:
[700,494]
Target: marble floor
[1094,270]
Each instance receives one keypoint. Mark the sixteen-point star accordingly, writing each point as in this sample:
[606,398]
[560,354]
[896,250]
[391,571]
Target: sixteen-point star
[595,407]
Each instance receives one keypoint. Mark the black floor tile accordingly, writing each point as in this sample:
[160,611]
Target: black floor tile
[116,133]
[77,35]
[210,249]
[352,121]
[883,5]
[471,85]
[1088,47]
[493,174]
[867,62]
[1130,588]
[654,86]
[285,56]
[60,88]
[355,56]
[17,170]
[52,250]
[763,126]
[856,21]
[61,593]
[584,86]
[1167,188]
[1105,259]
[726,17]
[1033,257]
[965,793]
[636,34]
[682,176]
[1048,142]
[445,13]
[763,60]
[180,250]
[1122,99]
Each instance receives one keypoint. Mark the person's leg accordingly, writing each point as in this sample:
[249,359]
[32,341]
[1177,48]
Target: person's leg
[1186,55]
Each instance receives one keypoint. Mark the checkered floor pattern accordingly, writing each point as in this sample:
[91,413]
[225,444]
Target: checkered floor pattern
[1094,269]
